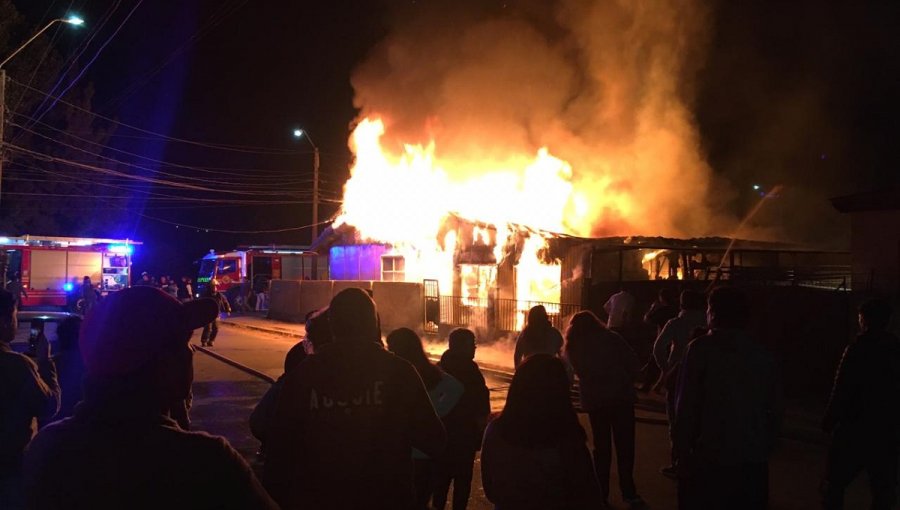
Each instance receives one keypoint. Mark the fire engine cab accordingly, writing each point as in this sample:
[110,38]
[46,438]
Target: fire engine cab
[50,268]
[259,264]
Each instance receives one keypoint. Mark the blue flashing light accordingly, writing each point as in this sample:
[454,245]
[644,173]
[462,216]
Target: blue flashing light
[68,287]
[120,249]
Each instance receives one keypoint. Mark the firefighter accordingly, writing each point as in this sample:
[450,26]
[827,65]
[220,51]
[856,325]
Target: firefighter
[146,279]
[17,288]
[212,329]
[88,295]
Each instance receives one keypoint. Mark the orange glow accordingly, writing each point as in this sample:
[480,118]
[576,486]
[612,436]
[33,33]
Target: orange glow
[650,256]
[476,283]
[405,199]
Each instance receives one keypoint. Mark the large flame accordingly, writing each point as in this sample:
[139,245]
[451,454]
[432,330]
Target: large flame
[406,197]
[404,200]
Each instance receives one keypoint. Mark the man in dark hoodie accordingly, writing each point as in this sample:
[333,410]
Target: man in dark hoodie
[727,411]
[120,449]
[317,335]
[465,424]
[863,414]
[348,418]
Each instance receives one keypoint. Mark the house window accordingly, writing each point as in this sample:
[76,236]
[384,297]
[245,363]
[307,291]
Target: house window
[393,269]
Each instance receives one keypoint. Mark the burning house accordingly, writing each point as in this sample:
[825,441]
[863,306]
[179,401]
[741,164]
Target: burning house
[474,274]
[487,279]
[438,251]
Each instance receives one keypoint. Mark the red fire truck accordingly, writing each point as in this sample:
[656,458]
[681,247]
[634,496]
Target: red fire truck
[259,264]
[50,268]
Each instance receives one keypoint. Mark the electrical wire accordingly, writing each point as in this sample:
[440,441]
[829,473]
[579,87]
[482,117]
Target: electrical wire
[205,29]
[69,64]
[142,191]
[223,231]
[152,180]
[47,51]
[94,58]
[244,174]
[93,195]
[226,147]
[248,188]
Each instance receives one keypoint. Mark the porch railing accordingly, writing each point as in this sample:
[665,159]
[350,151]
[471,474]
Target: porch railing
[502,315]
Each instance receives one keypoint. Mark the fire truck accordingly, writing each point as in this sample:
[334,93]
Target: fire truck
[50,268]
[259,264]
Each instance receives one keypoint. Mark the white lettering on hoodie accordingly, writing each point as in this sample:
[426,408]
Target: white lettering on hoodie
[371,396]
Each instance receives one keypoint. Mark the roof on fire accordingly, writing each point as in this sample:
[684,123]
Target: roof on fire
[346,234]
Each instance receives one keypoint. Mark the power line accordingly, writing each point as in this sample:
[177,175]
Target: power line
[123,197]
[224,231]
[152,180]
[210,24]
[226,147]
[249,188]
[133,190]
[69,64]
[94,58]
[246,172]
[47,52]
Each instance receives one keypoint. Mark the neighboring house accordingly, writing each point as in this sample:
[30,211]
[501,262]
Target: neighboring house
[874,239]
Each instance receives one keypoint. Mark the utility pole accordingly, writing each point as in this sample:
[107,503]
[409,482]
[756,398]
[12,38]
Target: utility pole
[315,211]
[2,122]
[299,133]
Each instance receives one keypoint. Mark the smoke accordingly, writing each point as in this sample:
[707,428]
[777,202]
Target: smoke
[604,85]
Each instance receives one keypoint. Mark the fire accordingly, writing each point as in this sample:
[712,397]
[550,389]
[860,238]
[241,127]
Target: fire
[405,199]
[650,256]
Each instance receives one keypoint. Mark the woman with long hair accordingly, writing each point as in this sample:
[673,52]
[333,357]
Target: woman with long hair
[534,454]
[607,369]
[538,337]
[443,390]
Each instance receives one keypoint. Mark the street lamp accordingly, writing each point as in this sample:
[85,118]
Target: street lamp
[299,133]
[71,20]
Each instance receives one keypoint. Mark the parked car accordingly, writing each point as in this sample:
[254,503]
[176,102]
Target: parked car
[38,320]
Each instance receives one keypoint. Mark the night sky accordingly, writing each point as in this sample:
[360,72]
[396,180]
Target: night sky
[791,93]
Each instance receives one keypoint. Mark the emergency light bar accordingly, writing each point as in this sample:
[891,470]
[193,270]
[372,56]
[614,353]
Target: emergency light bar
[120,249]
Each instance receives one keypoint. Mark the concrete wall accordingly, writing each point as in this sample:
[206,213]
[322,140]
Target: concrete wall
[400,304]
[314,294]
[340,285]
[284,301]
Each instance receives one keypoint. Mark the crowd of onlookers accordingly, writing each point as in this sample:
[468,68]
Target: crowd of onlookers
[362,421]
[243,296]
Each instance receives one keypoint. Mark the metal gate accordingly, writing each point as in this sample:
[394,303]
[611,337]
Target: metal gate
[432,306]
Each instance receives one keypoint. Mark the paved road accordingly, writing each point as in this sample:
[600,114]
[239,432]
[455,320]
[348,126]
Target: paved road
[224,397]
